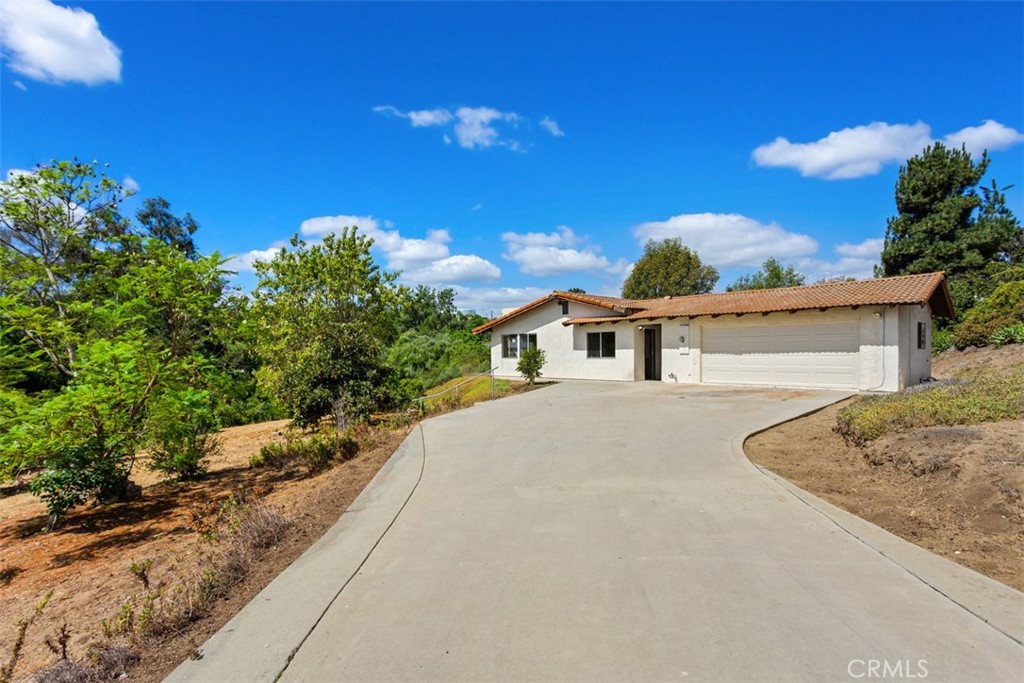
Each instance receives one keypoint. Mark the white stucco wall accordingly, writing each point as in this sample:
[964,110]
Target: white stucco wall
[565,347]
[888,358]
[920,359]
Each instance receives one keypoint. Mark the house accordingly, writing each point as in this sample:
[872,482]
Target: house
[869,335]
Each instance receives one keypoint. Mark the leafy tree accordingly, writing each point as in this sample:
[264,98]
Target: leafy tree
[530,363]
[86,436]
[432,358]
[53,223]
[325,317]
[667,268]
[944,224]
[182,432]
[102,335]
[1002,308]
[576,290]
[429,310]
[771,276]
[159,223]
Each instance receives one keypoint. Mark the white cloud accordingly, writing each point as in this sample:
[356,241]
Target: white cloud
[245,263]
[130,185]
[864,150]
[855,260]
[453,269]
[727,240]
[54,44]
[538,253]
[19,85]
[422,118]
[323,225]
[990,135]
[422,260]
[15,172]
[848,153]
[552,126]
[474,127]
[492,301]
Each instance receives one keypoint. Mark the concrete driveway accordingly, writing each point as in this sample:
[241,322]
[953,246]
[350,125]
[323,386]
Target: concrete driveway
[612,532]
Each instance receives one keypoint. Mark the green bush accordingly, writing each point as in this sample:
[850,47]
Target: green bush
[1011,334]
[530,363]
[184,433]
[84,471]
[1002,308]
[942,340]
[984,398]
[314,453]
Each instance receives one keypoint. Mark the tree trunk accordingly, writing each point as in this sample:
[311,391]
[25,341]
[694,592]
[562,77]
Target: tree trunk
[339,409]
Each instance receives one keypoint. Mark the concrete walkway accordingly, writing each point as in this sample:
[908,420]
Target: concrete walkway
[612,532]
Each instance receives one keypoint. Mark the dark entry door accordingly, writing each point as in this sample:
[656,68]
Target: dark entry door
[651,352]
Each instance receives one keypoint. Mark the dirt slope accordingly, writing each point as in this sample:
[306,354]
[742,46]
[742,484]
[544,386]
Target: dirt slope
[956,491]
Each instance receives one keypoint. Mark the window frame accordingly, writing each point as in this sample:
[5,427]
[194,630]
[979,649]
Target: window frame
[922,336]
[513,345]
[601,344]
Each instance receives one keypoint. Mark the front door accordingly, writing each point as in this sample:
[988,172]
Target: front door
[652,368]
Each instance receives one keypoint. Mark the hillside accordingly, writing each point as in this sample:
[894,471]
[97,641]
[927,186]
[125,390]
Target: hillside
[954,490]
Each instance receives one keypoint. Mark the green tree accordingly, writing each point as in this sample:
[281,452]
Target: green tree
[325,315]
[944,224]
[54,223]
[771,276]
[432,358]
[531,361]
[667,268]
[102,335]
[156,219]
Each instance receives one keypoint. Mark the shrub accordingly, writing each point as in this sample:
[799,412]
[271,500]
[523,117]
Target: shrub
[84,471]
[942,340]
[242,531]
[984,398]
[315,453]
[1002,308]
[1011,334]
[530,363]
[183,433]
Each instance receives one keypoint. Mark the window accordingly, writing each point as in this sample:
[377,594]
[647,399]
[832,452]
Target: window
[922,336]
[565,306]
[600,344]
[512,344]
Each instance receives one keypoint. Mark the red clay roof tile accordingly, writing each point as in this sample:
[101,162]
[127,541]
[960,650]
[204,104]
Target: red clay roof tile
[903,289]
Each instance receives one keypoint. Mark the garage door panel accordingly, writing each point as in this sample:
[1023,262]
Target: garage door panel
[824,355]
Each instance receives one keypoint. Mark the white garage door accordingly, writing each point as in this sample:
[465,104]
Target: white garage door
[817,355]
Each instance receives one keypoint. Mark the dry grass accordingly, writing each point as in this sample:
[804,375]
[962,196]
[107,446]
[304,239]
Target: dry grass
[474,391]
[981,397]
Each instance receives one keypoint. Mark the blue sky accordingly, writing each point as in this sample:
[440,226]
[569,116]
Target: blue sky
[510,149]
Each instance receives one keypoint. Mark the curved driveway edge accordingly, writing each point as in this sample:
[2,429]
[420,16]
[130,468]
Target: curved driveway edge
[259,641]
[995,603]
[600,531]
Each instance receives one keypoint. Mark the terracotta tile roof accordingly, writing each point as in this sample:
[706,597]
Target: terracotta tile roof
[612,303]
[903,289]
